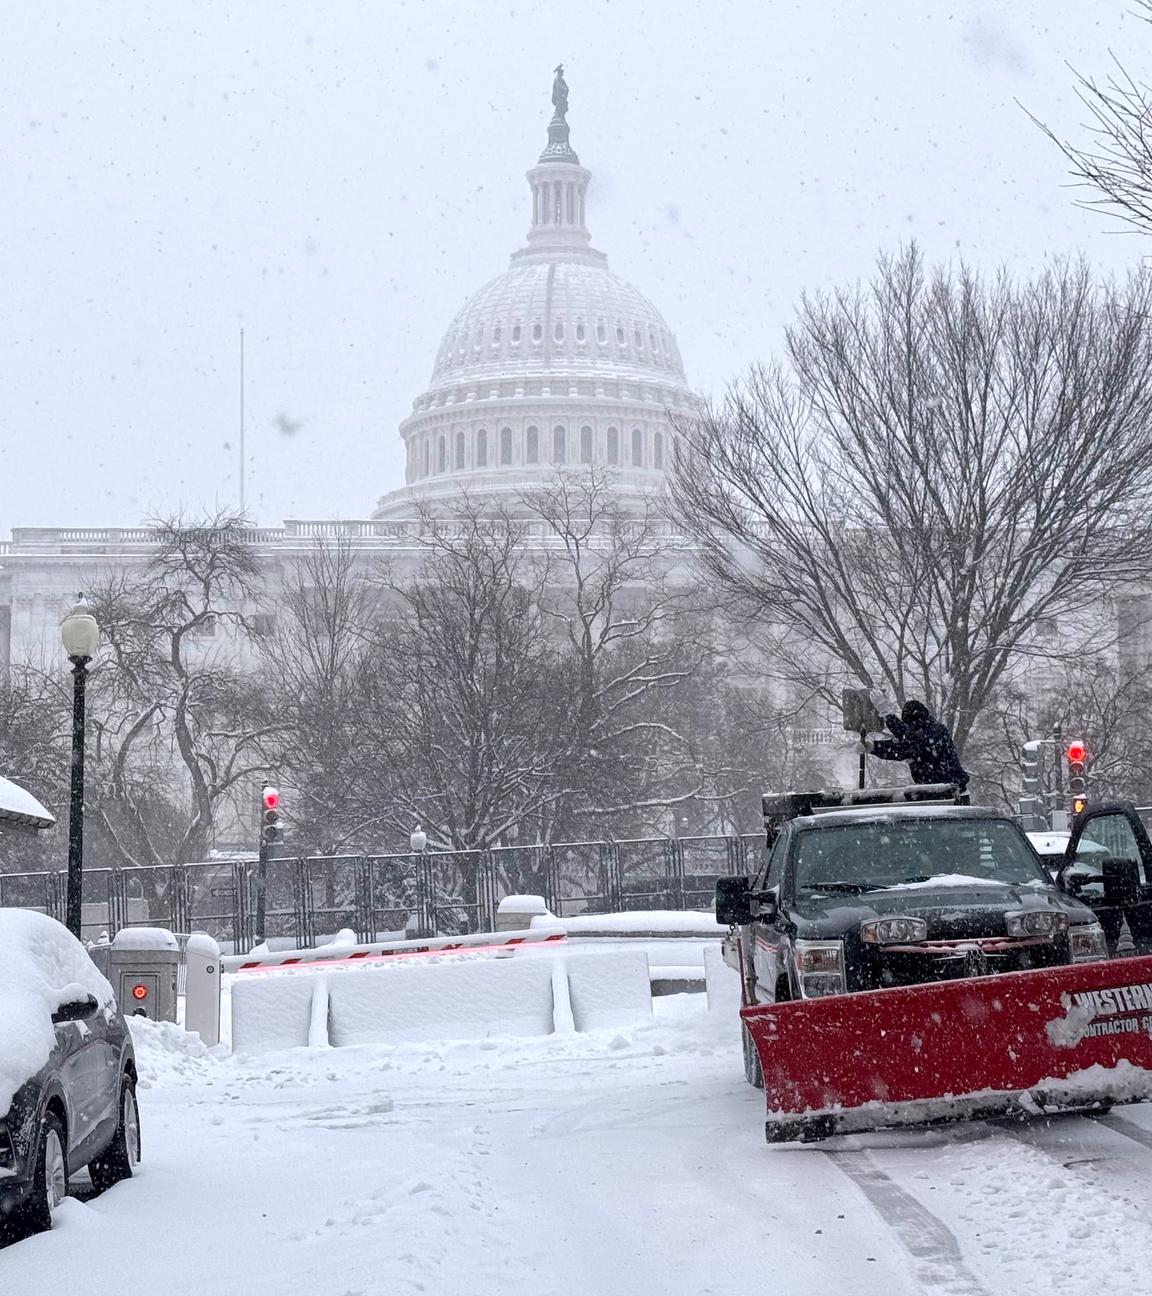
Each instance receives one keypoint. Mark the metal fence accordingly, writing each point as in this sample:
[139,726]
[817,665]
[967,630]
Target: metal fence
[432,893]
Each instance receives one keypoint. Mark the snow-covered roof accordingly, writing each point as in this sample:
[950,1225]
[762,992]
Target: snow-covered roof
[42,965]
[20,809]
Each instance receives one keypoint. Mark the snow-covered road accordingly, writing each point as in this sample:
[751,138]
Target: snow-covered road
[624,1161]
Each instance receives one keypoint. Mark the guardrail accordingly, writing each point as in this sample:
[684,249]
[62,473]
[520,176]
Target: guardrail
[449,893]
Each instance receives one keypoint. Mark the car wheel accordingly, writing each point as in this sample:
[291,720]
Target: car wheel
[121,1157]
[752,1072]
[50,1181]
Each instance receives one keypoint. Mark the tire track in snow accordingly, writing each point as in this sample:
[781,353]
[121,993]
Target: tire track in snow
[1077,1143]
[939,1262]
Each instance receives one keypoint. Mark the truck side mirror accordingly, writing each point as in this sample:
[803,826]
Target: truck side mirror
[733,901]
[1121,881]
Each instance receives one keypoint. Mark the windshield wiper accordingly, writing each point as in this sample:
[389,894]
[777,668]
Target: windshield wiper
[852,888]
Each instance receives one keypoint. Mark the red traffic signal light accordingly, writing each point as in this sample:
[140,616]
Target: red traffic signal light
[1076,751]
[271,798]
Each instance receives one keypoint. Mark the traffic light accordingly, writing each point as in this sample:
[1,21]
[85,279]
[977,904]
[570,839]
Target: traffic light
[1031,807]
[270,830]
[1076,754]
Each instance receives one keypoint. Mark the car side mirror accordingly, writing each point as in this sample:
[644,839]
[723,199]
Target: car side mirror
[733,901]
[75,1010]
[1121,881]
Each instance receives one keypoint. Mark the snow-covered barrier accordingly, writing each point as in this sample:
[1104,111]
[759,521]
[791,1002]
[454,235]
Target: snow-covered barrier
[608,990]
[271,1013]
[459,1001]
[404,1002]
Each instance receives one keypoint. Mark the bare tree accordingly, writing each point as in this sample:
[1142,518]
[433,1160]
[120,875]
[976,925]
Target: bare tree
[179,721]
[638,652]
[1117,163]
[941,466]
[315,662]
[466,698]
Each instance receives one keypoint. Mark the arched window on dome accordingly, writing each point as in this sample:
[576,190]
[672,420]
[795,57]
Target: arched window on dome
[496,337]
[652,344]
[637,448]
[602,333]
[613,446]
[639,339]
[585,445]
[658,450]
[620,338]
[515,334]
[531,445]
[580,331]
[459,451]
[558,331]
[537,332]
[559,445]
[506,445]
[441,456]
[482,449]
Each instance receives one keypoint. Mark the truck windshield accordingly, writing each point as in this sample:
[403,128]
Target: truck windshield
[873,856]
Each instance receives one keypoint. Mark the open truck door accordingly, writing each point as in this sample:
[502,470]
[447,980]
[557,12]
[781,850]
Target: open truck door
[1108,866]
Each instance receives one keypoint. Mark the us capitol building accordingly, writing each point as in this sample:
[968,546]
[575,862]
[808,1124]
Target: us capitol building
[555,363]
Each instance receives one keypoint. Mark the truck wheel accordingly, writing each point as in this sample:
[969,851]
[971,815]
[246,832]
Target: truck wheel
[752,1071]
[121,1157]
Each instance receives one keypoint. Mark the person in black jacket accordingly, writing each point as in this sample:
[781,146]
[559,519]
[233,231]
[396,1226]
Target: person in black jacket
[924,742]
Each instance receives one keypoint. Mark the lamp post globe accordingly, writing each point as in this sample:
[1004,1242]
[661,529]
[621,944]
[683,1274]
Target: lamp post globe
[418,841]
[80,635]
[80,632]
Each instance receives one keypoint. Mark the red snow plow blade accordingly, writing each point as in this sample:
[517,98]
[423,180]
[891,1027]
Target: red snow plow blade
[1023,1042]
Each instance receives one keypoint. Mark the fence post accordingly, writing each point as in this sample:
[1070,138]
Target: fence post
[302,902]
[240,934]
[365,900]
[676,852]
[486,886]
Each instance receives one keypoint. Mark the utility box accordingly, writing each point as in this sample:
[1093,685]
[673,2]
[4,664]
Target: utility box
[202,990]
[142,964]
[516,912]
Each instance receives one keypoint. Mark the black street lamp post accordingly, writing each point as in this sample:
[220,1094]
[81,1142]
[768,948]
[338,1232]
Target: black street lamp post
[81,638]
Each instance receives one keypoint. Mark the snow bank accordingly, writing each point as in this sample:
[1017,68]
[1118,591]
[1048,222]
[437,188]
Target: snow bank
[167,1054]
[41,967]
[272,1013]
[458,1001]
[609,990]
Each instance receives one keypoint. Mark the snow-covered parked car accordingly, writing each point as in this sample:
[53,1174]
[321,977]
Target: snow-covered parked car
[67,1073]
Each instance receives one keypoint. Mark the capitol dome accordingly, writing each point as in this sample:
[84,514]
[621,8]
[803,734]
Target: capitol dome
[555,363]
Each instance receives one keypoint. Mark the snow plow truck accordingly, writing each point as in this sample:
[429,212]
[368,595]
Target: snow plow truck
[906,959]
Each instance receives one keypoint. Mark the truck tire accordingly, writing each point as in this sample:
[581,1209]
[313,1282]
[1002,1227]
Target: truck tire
[752,1072]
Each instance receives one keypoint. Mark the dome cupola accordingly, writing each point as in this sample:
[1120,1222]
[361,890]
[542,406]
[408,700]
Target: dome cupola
[554,363]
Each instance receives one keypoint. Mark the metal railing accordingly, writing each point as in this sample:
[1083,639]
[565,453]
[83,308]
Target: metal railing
[432,893]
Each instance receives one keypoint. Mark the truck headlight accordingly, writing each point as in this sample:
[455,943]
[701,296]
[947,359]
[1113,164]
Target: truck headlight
[1036,922]
[820,968]
[1088,943]
[893,931]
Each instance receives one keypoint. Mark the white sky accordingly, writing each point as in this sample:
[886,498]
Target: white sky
[337,178]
